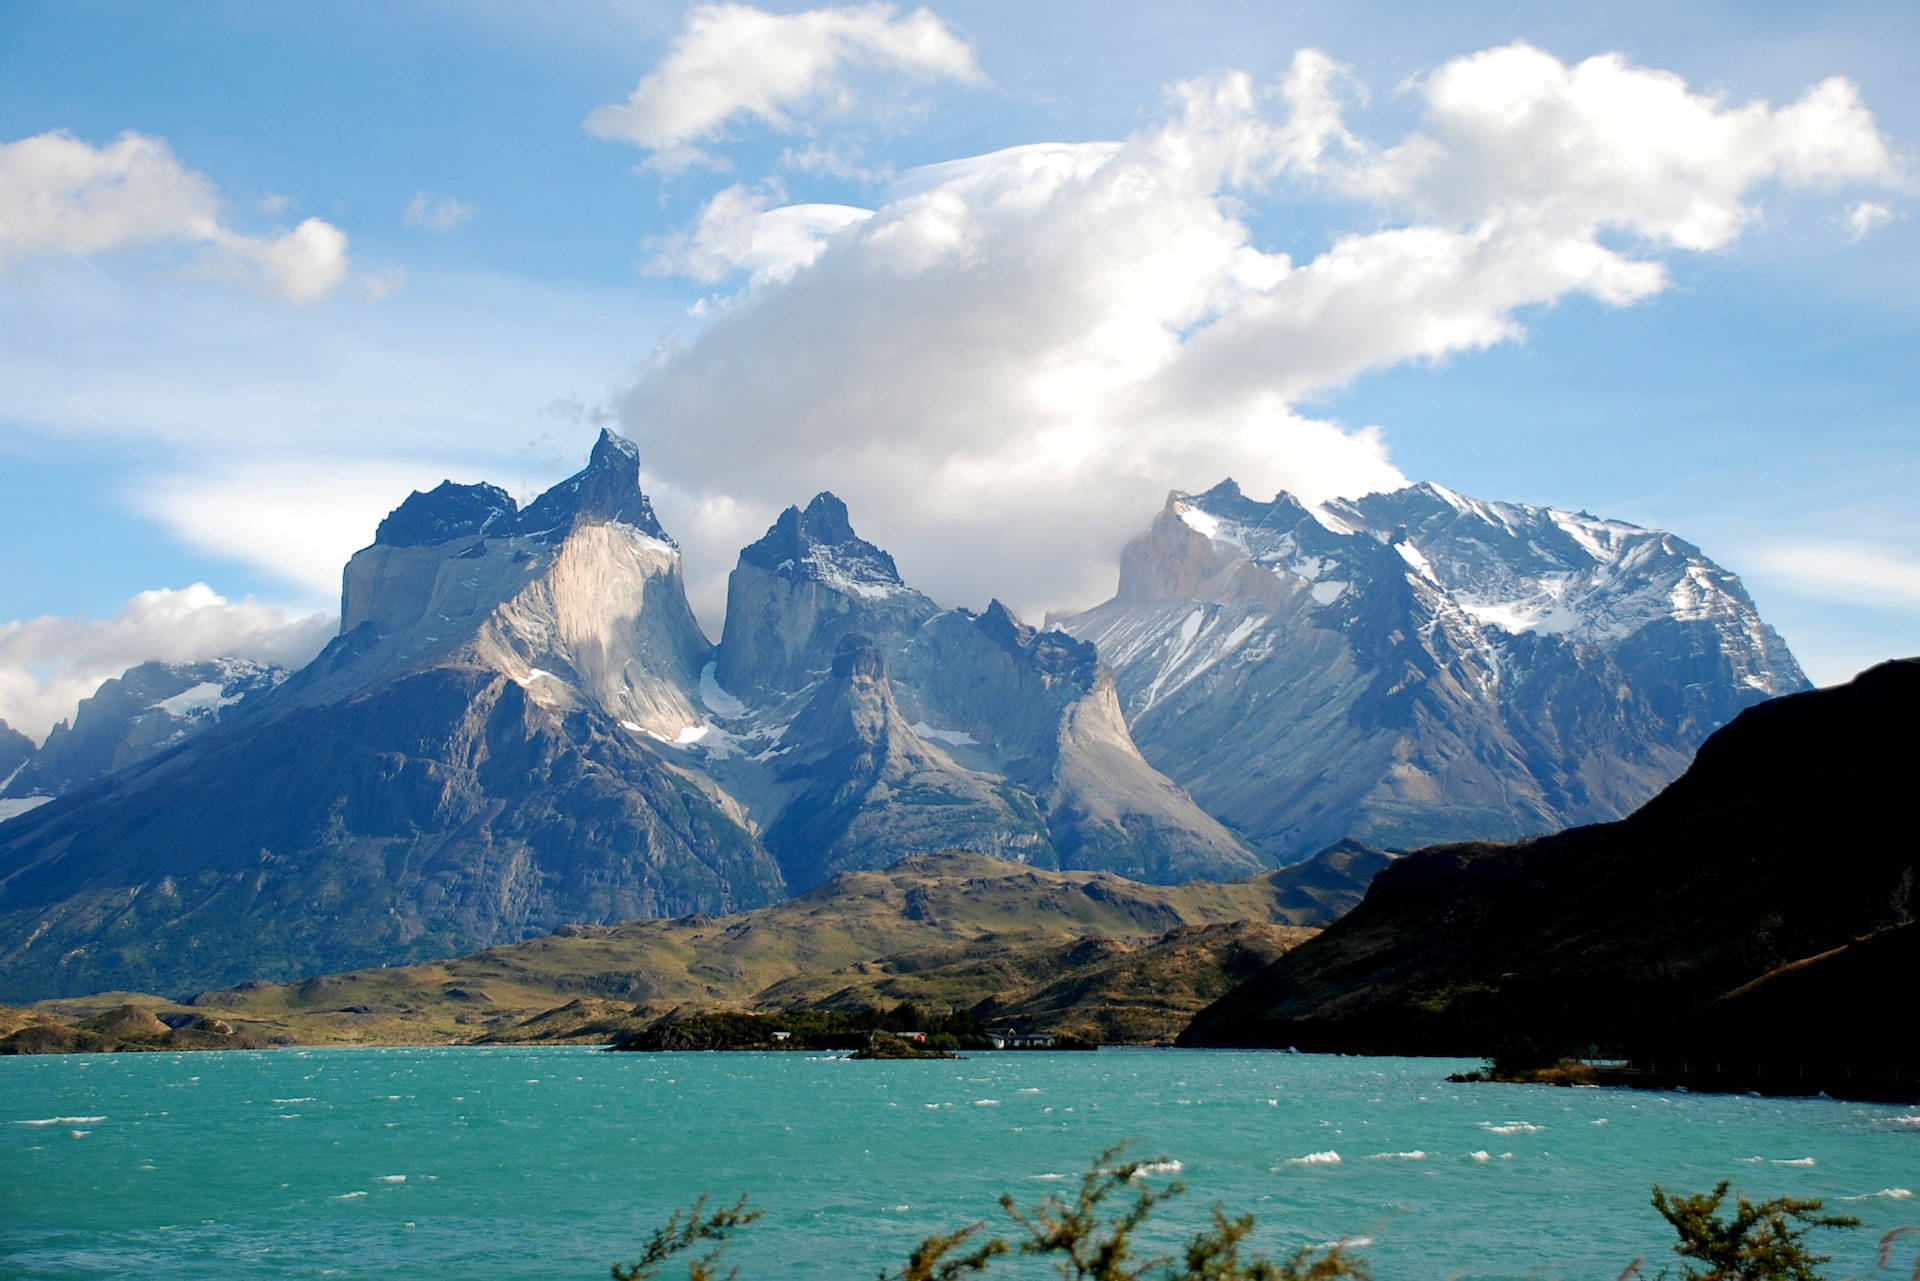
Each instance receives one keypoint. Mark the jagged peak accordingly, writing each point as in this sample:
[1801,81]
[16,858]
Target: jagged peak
[826,521]
[446,512]
[1051,653]
[606,490]
[611,449]
[819,545]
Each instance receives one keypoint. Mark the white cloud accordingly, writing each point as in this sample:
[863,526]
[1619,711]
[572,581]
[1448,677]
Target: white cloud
[48,664]
[1846,572]
[1027,349]
[738,231]
[1862,216]
[1515,136]
[732,61]
[435,213]
[61,196]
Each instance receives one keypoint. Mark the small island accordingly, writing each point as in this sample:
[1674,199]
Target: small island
[905,1031]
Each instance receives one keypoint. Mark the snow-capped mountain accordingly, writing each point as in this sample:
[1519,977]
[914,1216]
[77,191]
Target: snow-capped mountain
[146,709]
[1418,665]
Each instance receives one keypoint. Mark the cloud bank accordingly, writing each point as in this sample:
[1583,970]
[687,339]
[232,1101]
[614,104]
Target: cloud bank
[1005,365]
[61,196]
[732,61]
[48,664]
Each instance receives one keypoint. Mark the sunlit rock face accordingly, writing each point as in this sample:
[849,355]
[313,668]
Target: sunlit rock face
[491,748]
[1420,666]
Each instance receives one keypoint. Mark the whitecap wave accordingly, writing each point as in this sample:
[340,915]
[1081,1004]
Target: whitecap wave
[1798,1160]
[348,1196]
[1512,1127]
[64,1120]
[1160,1167]
[1482,1155]
[307,1099]
[1047,1178]
[1886,1194]
[393,1178]
[1329,1157]
[986,1103]
[1415,1155]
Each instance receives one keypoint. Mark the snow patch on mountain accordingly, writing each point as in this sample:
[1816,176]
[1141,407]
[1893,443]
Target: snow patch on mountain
[956,737]
[197,701]
[717,700]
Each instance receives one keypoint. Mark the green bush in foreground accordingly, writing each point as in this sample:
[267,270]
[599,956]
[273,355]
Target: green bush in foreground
[1087,1239]
[1764,1242]
[1084,1238]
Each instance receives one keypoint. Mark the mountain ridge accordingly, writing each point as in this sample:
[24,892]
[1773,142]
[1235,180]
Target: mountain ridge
[1417,666]
[1641,935]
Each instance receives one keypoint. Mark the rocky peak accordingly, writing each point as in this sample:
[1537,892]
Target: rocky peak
[802,586]
[819,545]
[15,748]
[606,491]
[1054,655]
[447,512]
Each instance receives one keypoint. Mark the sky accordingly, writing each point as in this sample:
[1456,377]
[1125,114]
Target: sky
[1001,276]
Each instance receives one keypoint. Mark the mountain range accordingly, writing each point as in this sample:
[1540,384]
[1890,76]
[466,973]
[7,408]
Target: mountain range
[521,724]
[1418,666]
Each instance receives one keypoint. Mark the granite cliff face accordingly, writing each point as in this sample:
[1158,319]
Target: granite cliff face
[896,727]
[479,756]
[863,788]
[1419,666]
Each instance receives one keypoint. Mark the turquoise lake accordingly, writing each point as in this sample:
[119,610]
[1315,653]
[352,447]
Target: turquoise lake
[553,1163]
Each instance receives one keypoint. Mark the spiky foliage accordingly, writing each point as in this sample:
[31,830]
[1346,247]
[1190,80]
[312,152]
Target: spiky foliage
[683,1231]
[1757,1242]
[1085,1238]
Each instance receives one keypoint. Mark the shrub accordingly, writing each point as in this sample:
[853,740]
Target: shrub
[1764,1242]
[1084,1238]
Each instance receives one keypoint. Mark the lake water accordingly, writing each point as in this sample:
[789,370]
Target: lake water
[554,1162]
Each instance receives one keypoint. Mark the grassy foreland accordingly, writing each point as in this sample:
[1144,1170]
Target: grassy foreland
[1089,954]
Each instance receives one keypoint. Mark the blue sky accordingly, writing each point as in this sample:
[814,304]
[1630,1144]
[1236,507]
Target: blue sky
[352,249]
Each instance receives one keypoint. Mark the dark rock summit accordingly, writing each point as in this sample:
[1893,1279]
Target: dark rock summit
[809,581]
[607,490]
[447,512]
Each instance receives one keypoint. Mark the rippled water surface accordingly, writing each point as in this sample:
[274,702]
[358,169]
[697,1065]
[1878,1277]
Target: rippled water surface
[551,1163]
